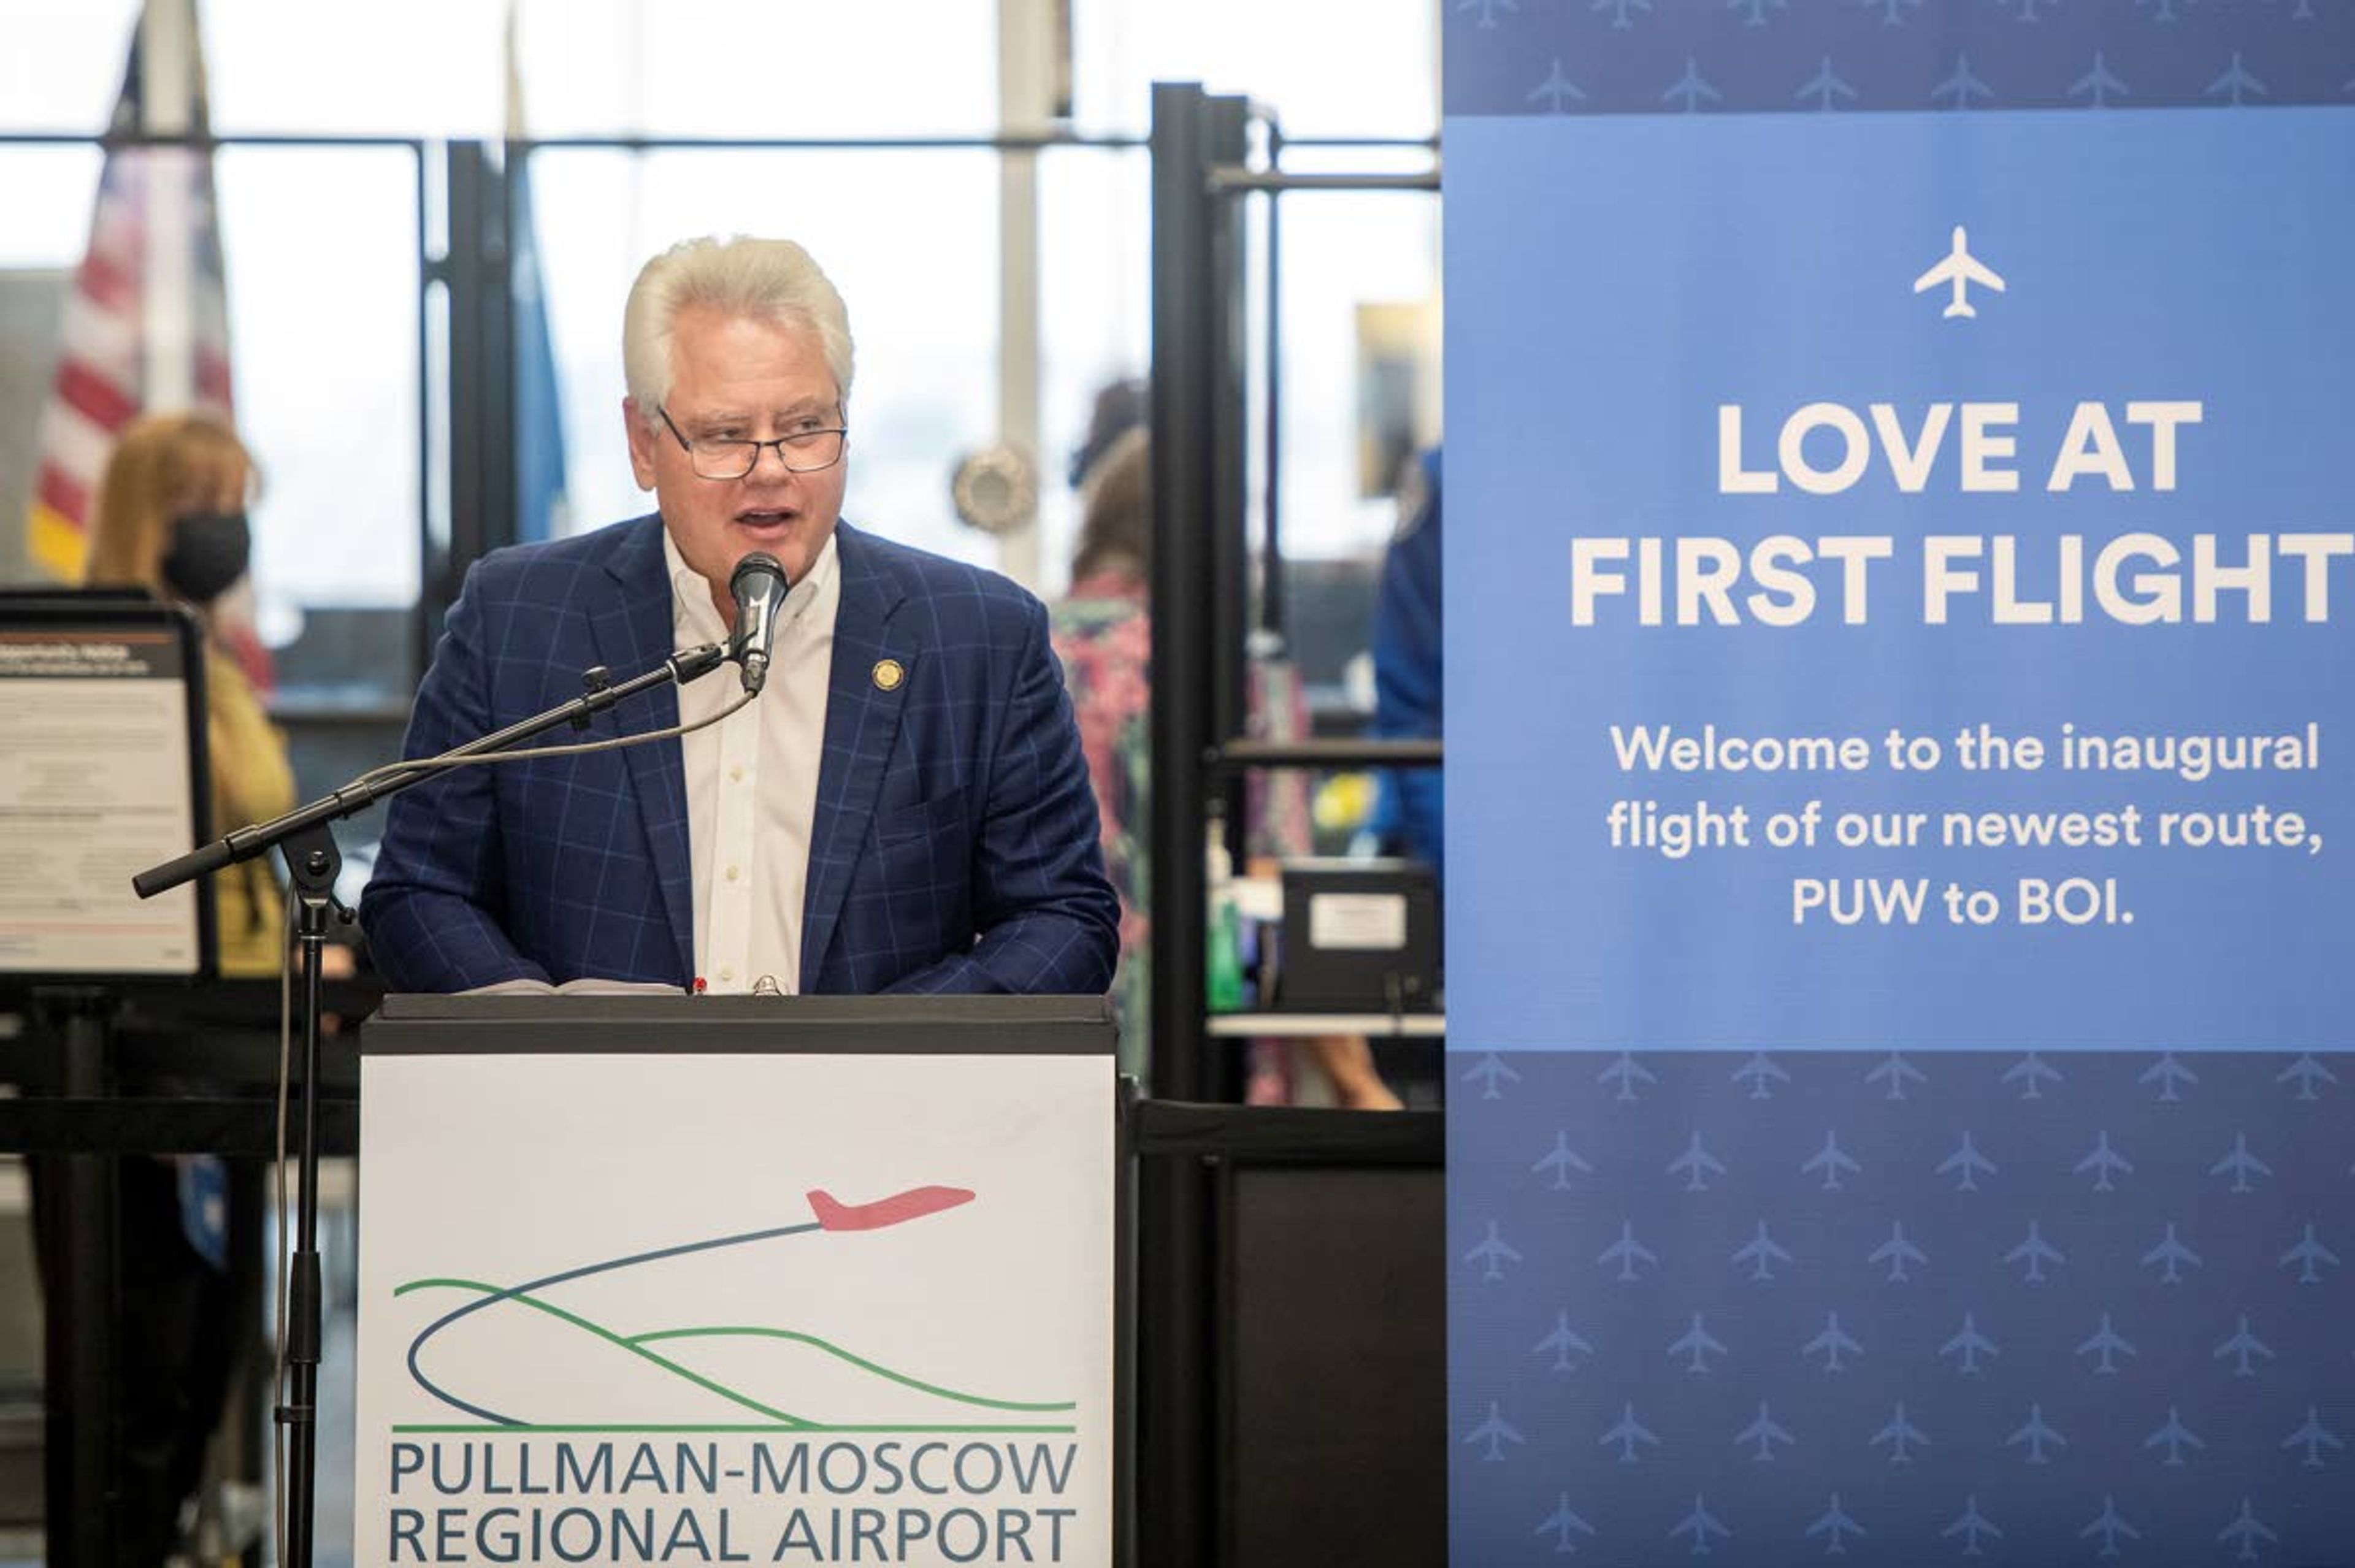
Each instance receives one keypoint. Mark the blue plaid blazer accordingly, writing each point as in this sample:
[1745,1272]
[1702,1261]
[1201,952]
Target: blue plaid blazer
[955,846]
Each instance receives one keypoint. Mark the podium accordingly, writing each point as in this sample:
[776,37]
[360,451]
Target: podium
[737,1279]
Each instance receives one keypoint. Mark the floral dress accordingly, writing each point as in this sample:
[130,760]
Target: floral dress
[1105,640]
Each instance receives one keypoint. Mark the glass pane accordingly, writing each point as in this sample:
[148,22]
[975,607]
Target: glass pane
[1368,68]
[1345,255]
[49,192]
[321,246]
[61,69]
[1095,281]
[686,67]
[421,68]
[754,69]
[1347,258]
[909,237]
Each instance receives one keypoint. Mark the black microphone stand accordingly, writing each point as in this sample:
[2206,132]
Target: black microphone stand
[303,839]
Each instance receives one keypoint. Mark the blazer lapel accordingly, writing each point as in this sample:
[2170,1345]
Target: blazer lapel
[632,630]
[862,721]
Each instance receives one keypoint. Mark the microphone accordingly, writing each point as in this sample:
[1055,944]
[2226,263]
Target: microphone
[759,586]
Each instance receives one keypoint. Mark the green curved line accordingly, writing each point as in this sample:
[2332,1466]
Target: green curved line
[860,1362]
[608,1335]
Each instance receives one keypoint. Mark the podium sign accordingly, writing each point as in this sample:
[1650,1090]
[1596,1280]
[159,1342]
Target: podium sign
[736,1280]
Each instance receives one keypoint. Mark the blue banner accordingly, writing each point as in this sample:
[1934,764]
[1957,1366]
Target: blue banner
[1901,1078]
[1926,1308]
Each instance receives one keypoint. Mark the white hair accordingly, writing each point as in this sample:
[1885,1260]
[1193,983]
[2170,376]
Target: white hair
[743,276]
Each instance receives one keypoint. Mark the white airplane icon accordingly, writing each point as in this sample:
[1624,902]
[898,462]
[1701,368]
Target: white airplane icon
[1960,270]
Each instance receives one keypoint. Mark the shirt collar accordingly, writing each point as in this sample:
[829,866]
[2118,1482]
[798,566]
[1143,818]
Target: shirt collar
[697,618]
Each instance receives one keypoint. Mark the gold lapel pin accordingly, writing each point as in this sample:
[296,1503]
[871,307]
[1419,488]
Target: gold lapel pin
[889,674]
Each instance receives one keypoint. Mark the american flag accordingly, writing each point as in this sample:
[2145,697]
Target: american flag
[146,326]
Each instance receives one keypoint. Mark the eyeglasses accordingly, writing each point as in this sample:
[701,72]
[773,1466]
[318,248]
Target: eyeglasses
[729,457]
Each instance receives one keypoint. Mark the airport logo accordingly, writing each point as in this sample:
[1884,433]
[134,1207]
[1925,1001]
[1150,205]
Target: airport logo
[707,1364]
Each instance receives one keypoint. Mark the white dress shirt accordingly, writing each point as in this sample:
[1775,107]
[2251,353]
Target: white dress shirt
[752,780]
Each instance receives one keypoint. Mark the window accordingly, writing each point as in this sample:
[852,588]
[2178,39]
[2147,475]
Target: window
[321,246]
[1094,321]
[1337,251]
[1292,55]
[909,237]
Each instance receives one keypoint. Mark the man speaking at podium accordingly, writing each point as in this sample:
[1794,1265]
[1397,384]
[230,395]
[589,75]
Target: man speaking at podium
[904,806]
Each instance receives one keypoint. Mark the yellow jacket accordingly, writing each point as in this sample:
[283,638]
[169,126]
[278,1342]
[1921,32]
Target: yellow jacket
[252,781]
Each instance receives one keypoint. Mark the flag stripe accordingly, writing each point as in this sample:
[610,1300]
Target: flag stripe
[73,443]
[66,496]
[101,400]
[108,344]
[212,378]
[106,282]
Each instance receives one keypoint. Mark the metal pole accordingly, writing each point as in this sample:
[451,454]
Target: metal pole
[1226,610]
[432,564]
[1025,91]
[482,370]
[84,1327]
[168,42]
[312,861]
[1175,1466]
[1234,179]
[1270,556]
[1242,755]
[1184,519]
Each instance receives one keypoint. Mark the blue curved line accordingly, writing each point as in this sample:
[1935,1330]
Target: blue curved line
[528,1286]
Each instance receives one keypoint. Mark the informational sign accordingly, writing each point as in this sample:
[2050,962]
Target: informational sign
[1898,779]
[1930,602]
[710,1308]
[99,778]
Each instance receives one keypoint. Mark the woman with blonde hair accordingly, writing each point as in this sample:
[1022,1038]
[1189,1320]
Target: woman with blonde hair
[170,518]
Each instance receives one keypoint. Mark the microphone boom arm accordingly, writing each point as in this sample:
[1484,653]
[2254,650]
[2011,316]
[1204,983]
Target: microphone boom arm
[258,838]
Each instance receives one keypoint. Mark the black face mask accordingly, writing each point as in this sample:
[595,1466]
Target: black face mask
[207,554]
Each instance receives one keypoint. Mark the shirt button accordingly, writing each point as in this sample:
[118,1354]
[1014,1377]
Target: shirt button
[736,774]
[731,873]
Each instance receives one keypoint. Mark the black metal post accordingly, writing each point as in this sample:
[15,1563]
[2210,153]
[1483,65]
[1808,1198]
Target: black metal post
[1271,547]
[1227,591]
[482,373]
[312,861]
[432,559]
[1173,1482]
[81,1426]
[1184,519]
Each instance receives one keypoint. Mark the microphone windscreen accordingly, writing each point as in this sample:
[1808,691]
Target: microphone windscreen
[758,562]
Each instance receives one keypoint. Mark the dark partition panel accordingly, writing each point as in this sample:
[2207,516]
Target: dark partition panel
[1336,1380]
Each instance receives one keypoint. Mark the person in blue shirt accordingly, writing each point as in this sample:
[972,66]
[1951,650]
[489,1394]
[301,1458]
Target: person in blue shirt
[1408,688]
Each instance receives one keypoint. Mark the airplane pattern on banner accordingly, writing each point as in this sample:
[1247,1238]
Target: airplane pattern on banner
[1903,1308]
[1677,57]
